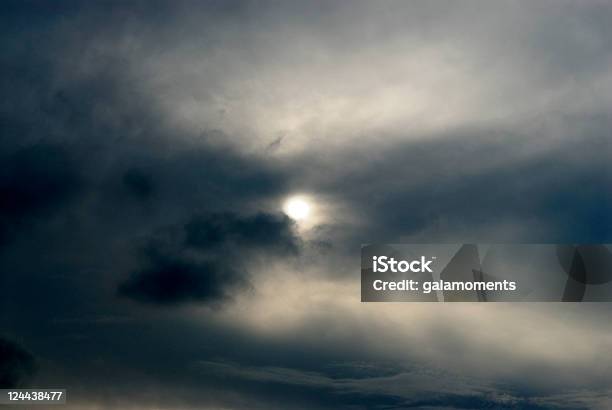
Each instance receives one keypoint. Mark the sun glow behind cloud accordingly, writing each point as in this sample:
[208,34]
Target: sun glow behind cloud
[297,208]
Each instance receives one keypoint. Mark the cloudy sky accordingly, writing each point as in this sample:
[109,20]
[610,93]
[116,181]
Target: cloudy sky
[148,259]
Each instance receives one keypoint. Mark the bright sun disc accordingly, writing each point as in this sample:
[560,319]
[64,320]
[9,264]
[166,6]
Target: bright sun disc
[297,208]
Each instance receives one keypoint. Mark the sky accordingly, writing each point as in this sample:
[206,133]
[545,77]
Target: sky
[148,150]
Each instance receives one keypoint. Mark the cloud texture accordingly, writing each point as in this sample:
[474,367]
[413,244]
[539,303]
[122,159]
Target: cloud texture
[147,150]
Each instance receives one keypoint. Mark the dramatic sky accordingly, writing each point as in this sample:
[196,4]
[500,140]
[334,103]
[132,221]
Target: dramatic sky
[147,150]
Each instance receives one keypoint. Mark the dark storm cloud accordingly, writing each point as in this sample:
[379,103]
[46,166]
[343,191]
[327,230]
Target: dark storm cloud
[464,185]
[206,259]
[139,183]
[89,168]
[37,178]
[264,231]
[34,182]
[77,124]
[172,281]
[17,365]
[559,191]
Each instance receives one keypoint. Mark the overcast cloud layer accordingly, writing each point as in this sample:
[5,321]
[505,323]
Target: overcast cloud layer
[147,149]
